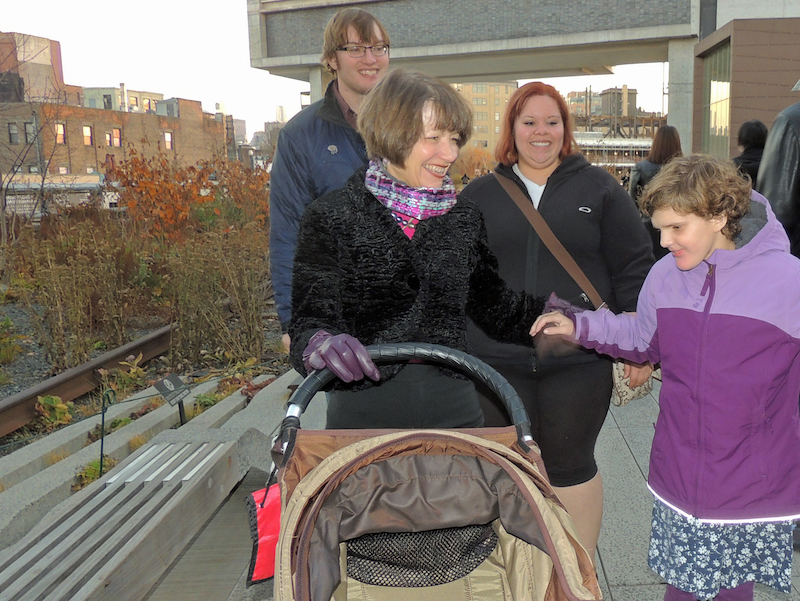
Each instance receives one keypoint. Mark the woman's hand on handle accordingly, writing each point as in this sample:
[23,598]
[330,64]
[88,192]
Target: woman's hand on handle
[552,324]
[343,354]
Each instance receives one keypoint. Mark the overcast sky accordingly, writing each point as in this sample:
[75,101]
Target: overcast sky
[193,49]
[198,50]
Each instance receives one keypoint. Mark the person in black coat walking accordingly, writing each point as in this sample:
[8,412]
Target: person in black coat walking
[752,137]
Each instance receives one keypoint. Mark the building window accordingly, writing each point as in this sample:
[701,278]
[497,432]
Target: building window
[497,116]
[13,133]
[481,116]
[497,129]
[61,133]
[480,143]
[717,102]
[481,129]
[88,138]
[479,88]
[168,144]
[89,169]
[497,89]
[497,102]
[63,170]
[134,103]
[114,138]
[107,102]
[480,101]
[30,133]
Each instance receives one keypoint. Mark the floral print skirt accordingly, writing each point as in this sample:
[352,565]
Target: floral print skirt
[701,558]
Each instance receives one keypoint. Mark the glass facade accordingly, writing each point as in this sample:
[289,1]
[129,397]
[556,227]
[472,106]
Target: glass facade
[717,102]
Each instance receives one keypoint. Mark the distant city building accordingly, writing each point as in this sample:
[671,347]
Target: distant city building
[618,102]
[121,99]
[240,131]
[58,136]
[37,63]
[584,103]
[488,102]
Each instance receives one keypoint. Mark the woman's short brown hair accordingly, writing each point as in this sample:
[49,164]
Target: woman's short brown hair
[336,32]
[390,118]
[506,150]
[702,185]
[666,144]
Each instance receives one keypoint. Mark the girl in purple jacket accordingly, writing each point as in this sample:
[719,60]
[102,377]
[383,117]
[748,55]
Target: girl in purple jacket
[720,314]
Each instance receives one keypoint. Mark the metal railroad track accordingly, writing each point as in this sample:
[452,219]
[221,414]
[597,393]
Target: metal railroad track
[18,410]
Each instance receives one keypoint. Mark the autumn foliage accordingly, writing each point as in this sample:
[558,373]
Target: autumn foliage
[189,245]
[470,161]
[164,199]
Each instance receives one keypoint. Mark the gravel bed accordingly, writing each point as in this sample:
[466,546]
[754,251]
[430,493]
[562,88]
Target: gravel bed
[31,366]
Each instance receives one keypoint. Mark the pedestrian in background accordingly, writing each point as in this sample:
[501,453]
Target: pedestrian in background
[779,173]
[320,148]
[751,139]
[666,145]
[720,314]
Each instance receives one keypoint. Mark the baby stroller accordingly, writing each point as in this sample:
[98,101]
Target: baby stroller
[444,515]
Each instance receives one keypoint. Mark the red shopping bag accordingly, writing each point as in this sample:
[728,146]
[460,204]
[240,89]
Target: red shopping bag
[265,519]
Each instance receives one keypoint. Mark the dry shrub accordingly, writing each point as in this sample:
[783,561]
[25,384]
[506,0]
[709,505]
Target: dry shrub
[217,289]
[137,441]
[88,281]
[55,456]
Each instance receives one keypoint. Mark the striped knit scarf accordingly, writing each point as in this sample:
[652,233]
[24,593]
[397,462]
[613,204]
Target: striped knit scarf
[399,197]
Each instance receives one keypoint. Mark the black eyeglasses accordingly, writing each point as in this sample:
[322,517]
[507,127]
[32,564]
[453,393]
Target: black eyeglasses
[355,51]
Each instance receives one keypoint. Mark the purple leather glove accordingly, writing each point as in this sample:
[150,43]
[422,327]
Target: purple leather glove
[554,303]
[343,354]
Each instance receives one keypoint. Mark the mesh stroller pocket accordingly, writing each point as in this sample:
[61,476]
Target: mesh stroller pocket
[417,559]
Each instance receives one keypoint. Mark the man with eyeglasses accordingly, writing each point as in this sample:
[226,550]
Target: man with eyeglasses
[319,148]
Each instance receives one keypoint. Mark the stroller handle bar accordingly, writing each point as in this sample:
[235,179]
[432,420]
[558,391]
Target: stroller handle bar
[431,353]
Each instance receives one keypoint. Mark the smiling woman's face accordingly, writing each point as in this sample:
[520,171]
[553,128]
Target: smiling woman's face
[430,157]
[539,136]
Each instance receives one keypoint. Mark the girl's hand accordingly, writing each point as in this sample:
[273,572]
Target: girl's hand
[638,373]
[553,323]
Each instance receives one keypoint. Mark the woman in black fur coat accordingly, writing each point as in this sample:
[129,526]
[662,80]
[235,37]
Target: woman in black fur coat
[394,256]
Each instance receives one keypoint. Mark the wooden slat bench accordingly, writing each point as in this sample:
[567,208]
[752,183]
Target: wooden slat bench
[115,539]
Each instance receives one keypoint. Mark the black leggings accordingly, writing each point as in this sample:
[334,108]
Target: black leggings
[567,406]
[420,396]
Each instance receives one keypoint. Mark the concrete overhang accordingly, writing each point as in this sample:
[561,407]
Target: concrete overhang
[590,53]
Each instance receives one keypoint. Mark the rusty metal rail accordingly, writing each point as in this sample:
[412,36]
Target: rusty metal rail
[18,410]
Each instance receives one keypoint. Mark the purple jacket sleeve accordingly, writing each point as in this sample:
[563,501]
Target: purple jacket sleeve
[624,336]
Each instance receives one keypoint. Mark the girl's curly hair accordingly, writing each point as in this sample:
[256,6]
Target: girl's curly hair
[702,185]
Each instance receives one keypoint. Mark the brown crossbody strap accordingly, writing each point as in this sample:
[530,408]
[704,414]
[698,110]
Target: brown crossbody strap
[549,238]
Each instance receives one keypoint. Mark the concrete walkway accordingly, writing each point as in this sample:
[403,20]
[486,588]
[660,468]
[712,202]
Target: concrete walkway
[623,451]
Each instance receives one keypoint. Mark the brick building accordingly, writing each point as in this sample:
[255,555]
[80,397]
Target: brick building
[56,136]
